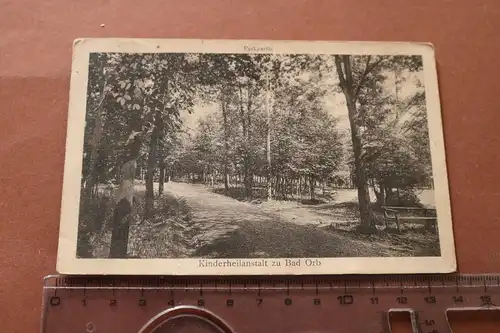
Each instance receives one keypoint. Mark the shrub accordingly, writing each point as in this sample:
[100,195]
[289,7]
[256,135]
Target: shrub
[165,233]
[406,198]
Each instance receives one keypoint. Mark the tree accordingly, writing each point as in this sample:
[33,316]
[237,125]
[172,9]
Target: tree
[301,129]
[351,91]
[208,141]
[362,80]
[395,137]
[307,143]
[173,77]
[221,74]
[167,154]
[101,65]
[131,93]
[142,108]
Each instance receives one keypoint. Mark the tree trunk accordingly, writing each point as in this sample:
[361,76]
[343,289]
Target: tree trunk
[122,213]
[161,159]
[299,188]
[305,185]
[157,142]
[162,176]
[125,195]
[149,178]
[153,145]
[312,187]
[226,144]
[389,195]
[276,187]
[96,139]
[268,144]
[245,144]
[249,181]
[346,83]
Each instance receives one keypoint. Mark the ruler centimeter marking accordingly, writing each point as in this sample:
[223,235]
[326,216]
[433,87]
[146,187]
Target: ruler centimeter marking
[324,304]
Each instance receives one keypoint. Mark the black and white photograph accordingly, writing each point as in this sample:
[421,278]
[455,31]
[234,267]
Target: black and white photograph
[254,157]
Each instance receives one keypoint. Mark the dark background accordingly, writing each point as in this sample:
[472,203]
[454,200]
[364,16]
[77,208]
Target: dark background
[35,58]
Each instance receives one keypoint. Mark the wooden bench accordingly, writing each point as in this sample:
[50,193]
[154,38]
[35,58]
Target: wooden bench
[427,216]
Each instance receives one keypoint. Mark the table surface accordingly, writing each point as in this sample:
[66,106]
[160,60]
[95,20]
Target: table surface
[35,58]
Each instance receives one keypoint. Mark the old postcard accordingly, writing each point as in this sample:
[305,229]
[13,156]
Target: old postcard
[254,157]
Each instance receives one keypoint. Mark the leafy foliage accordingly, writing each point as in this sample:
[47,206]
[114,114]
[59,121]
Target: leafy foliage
[138,104]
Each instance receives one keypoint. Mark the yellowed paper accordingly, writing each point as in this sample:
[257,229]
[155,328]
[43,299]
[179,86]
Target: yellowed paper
[219,157]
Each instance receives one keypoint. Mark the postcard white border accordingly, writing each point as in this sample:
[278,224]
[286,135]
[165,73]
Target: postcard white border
[67,263]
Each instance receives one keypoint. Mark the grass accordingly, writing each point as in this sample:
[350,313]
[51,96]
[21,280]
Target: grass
[164,235]
[412,240]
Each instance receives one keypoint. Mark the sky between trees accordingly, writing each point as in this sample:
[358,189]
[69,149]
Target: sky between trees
[334,102]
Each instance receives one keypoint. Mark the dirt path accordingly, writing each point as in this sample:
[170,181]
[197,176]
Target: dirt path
[225,227]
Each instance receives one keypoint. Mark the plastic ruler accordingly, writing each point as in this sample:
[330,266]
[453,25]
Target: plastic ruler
[348,304]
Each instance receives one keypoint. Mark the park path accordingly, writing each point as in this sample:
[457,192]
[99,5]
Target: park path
[224,227]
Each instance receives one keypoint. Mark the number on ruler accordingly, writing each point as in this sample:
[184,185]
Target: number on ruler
[55,301]
[486,299]
[430,299]
[346,299]
[402,300]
